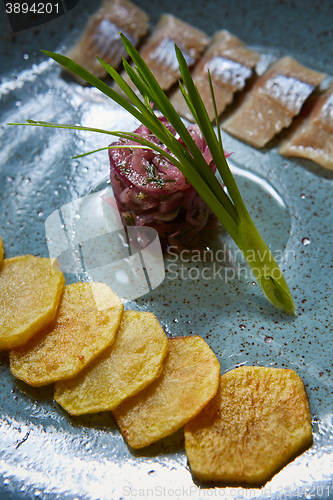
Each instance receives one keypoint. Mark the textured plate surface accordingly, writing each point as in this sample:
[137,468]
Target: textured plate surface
[44,452]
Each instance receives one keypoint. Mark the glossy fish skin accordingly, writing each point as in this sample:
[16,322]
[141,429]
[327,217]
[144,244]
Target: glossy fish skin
[272,103]
[311,136]
[159,53]
[101,35]
[230,63]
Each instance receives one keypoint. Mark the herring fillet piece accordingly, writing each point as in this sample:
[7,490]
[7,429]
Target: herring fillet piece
[159,52]
[101,36]
[272,103]
[230,64]
[311,136]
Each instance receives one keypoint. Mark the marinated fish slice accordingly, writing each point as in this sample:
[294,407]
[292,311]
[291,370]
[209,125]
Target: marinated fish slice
[133,361]
[230,64]
[101,35]
[311,137]
[257,422]
[274,100]
[86,324]
[159,51]
[30,293]
[189,380]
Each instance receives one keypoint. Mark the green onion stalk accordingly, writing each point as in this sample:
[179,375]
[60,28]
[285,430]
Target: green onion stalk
[228,206]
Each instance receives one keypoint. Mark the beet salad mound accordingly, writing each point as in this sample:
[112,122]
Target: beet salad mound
[151,191]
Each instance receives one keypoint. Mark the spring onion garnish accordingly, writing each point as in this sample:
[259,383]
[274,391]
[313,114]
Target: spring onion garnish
[227,206]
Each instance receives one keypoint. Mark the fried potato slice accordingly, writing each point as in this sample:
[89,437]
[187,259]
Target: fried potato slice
[257,422]
[2,252]
[132,362]
[30,293]
[189,380]
[86,324]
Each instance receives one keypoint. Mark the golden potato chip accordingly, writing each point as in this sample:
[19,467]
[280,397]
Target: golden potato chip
[257,422]
[2,252]
[189,380]
[30,293]
[79,334]
[132,362]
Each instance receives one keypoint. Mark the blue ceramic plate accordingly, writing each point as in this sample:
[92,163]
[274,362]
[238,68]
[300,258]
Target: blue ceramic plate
[44,452]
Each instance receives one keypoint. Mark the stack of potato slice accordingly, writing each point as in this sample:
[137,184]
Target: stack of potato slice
[99,357]
[241,427]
